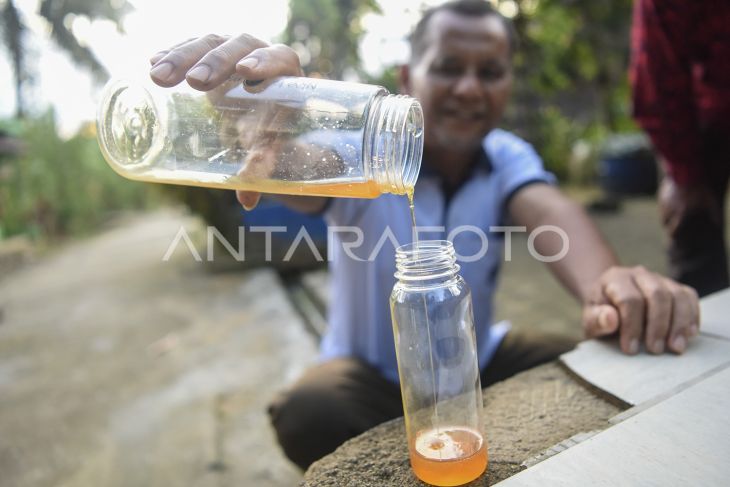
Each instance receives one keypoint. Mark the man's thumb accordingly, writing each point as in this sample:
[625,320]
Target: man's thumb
[600,320]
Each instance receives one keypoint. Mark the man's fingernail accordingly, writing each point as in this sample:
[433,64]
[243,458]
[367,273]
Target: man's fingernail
[679,343]
[694,330]
[162,71]
[158,56]
[634,346]
[658,347]
[200,73]
[252,82]
[249,62]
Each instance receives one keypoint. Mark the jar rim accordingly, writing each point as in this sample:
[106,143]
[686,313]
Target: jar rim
[424,245]
[426,260]
[393,142]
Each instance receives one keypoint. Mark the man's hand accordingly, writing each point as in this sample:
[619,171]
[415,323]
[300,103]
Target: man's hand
[208,64]
[641,305]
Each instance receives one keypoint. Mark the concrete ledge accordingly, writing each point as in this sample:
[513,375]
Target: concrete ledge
[525,415]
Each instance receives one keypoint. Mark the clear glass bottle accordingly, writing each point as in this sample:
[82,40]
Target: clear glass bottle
[437,363]
[285,135]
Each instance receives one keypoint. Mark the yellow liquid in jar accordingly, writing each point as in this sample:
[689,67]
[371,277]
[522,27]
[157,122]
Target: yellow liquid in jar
[446,455]
[449,455]
[337,188]
[412,206]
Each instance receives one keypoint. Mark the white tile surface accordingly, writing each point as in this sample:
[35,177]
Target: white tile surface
[715,314]
[643,377]
[684,440]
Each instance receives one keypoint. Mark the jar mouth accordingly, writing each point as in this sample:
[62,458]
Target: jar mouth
[394,147]
[426,260]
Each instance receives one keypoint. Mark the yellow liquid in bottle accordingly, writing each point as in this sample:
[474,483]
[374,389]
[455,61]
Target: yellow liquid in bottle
[335,187]
[412,206]
[448,456]
[444,455]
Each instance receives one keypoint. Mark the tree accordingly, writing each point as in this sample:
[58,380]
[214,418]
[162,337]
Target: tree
[571,83]
[58,14]
[326,34]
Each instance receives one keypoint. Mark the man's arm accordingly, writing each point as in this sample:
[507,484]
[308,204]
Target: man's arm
[636,303]
[588,256]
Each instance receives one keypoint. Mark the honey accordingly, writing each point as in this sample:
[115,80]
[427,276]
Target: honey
[448,456]
[341,188]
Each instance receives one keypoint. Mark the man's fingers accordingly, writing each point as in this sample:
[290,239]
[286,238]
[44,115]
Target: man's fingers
[259,164]
[624,295]
[684,318]
[600,320]
[156,58]
[248,199]
[159,55]
[173,66]
[220,63]
[269,62]
[659,303]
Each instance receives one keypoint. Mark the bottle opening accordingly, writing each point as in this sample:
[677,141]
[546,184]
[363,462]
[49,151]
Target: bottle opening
[426,260]
[128,125]
[394,142]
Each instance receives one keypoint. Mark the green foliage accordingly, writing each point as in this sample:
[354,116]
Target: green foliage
[59,187]
[388,79]
[58,14]
[571,84]
[326,34]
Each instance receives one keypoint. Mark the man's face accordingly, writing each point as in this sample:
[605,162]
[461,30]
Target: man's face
[463,79]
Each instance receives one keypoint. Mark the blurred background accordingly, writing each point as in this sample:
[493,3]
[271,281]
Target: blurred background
[571,94]
[121,367]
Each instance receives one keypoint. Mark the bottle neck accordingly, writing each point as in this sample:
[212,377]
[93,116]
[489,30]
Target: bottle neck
[393,142]
[426,263]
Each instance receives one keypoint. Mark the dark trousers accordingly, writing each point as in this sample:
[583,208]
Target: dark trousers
[694,220]
[339,399]
[697,255]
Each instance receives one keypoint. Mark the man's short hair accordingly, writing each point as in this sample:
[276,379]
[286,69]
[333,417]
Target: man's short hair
[470,8]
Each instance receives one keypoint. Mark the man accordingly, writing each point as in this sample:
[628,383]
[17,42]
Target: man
[681,91]
[473,174]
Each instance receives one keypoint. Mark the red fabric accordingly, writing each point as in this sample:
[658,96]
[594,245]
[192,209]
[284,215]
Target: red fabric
[680,74]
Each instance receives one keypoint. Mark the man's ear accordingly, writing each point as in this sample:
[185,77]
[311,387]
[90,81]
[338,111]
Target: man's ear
[404,79]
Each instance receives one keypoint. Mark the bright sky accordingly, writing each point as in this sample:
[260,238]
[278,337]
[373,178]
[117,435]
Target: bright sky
[157,24]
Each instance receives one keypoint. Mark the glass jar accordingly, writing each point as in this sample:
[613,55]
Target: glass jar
[437,364]
[287,135]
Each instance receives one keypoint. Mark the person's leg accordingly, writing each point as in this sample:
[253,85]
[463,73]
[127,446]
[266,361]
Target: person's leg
[331,403]
[694,220]
[522,350]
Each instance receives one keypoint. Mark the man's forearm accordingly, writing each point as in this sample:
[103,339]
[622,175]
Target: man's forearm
[588,254]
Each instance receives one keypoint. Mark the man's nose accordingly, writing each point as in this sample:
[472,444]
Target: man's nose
[469,86]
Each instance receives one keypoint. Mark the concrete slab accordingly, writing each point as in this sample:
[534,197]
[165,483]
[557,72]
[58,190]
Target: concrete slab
[525,415]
